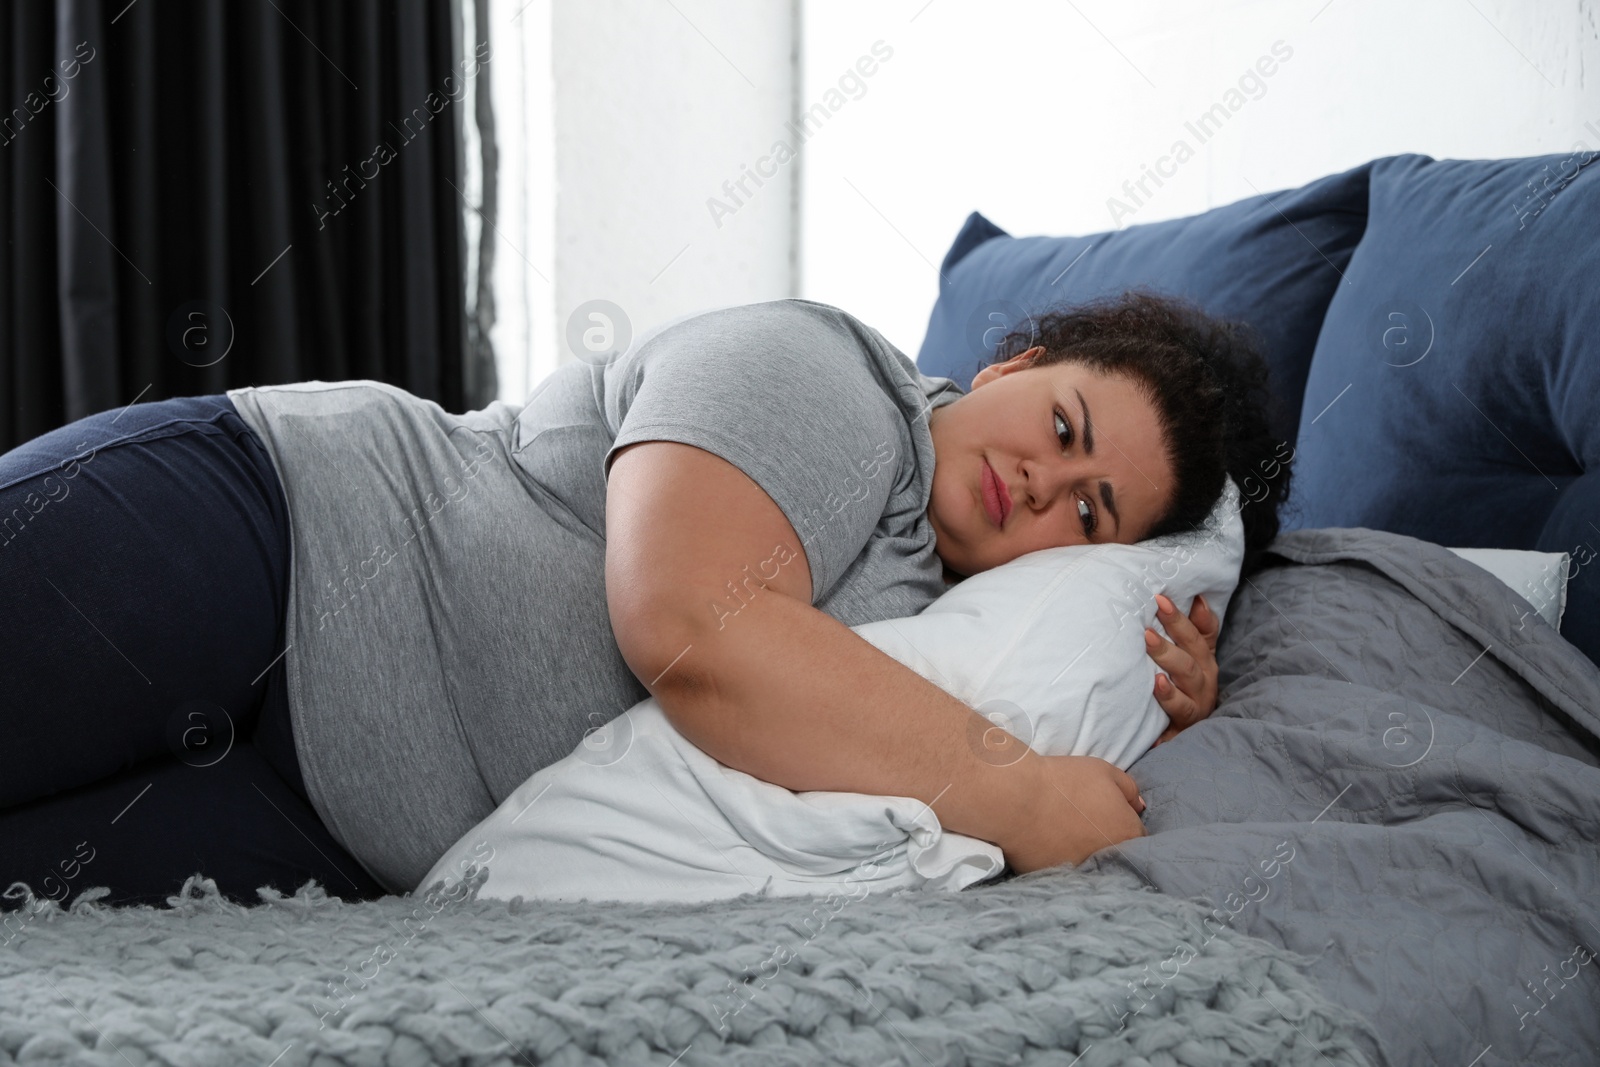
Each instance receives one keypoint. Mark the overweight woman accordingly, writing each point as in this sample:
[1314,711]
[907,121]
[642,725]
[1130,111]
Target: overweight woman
[320,630]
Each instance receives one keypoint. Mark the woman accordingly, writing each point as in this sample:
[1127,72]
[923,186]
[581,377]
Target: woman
[320,630]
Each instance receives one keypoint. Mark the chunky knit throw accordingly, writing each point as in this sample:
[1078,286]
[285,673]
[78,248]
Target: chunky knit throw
[1059,967]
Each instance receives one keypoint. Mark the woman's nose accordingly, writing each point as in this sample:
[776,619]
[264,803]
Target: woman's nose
[1047,482]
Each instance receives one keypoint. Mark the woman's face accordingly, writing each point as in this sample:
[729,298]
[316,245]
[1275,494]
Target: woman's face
[1038,457]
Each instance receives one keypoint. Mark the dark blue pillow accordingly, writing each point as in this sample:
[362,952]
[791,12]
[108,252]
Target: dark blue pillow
[1455,392]
[1272,261]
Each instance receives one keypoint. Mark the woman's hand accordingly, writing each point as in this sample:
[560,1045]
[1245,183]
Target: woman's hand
[1187,692]
[1080,805]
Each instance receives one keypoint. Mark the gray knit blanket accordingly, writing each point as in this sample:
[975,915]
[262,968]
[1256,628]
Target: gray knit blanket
[1054,968]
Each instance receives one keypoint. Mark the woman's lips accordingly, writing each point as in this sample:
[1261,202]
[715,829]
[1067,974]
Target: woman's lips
[996,500]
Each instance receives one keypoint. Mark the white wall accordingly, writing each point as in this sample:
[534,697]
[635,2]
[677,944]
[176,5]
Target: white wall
[621,120]
[657,104]
[1036,113]
[523,95]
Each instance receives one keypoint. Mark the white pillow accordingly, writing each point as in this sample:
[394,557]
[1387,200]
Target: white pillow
[1054,640]
[1049,646]
[1540,578]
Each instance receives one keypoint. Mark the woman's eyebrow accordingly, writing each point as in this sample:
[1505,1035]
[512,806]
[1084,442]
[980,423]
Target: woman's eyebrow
[1107,494]
[1088,428]
[1111,503]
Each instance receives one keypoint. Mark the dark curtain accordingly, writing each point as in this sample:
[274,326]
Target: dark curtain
[200,195]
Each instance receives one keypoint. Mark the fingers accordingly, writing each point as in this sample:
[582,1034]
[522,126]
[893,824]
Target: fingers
[1187,689]
[1184,669]
[1130,788]
[1181,708]
[1205,620]
[1182,628]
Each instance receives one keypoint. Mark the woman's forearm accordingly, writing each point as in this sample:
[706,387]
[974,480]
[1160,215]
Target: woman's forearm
[792,696]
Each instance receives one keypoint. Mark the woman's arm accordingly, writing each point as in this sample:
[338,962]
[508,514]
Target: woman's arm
[767,684]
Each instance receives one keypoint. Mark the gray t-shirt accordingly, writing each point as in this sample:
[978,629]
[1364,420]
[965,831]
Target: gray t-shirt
[447,630]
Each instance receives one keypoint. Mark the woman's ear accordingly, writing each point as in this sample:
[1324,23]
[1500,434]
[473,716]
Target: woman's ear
[1015,363]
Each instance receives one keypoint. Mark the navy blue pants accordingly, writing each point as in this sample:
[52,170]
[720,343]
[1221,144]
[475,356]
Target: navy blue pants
[144,719]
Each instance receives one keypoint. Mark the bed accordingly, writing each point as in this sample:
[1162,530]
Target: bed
[1384,846]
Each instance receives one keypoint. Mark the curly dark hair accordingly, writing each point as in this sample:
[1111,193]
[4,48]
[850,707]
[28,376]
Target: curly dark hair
[1208,383]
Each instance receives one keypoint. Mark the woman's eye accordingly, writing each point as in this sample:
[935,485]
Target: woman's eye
[1063,430]
[1086,513]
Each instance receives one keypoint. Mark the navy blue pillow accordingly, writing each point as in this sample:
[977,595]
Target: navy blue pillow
[1455,391]
[1272,261]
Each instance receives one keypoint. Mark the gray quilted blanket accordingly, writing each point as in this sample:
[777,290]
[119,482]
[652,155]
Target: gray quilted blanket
[1425,747]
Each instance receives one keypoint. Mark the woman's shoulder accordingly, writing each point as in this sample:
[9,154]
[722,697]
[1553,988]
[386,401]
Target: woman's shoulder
[795,350]
[787,310]
[786,337]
